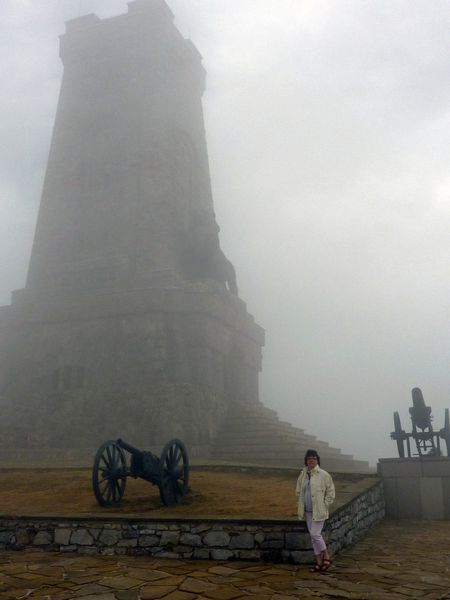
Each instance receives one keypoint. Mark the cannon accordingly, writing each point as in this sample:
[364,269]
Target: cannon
[426,439]
[116,460]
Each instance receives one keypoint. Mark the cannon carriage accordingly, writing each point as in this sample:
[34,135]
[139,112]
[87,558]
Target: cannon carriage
[116,460]
[428,441]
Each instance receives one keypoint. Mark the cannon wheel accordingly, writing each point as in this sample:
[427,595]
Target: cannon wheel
[173,473]
[398,431]
[109,474]
[445,433]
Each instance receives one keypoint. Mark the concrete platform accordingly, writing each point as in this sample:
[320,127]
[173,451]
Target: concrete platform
[416,488]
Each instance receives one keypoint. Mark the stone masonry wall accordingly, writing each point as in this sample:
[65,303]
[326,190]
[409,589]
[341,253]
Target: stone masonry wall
[224,539]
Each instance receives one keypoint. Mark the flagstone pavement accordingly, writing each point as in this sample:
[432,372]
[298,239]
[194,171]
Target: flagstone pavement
[396,560]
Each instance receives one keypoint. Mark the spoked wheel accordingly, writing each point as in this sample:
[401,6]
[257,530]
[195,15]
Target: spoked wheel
[109,474]
[445,432]
[173,473]
[398,435]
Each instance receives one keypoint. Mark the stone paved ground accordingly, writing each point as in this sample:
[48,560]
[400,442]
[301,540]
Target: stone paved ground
[395,561]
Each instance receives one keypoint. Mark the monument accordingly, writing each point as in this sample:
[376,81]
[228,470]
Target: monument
[129,324]
[417,484]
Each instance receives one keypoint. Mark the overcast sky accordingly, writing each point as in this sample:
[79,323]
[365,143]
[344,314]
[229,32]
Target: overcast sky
[328,126]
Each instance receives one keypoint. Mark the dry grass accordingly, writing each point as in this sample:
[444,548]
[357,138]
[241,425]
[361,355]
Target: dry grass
[213,493]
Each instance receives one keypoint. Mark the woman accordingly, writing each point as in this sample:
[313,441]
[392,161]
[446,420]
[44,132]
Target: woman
[315,493]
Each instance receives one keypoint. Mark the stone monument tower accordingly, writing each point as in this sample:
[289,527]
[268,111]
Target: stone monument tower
[130,322]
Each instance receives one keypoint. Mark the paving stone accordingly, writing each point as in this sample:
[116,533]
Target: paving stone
[155,592]
[223,593]
[100,597]
[196,586]
[120,583]
[128,595]
[175,580]
[219,570]
[177,595]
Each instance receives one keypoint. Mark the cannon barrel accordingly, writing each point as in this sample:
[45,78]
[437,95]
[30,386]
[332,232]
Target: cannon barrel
[420,413]
[131,449]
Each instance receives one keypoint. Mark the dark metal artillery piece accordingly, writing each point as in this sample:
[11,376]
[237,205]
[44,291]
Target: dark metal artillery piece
[427,441]
[170,472]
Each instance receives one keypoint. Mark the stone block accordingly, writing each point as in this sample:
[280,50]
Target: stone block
[216,538]
[298,541]
[408,497]
[6,537]
[128,543]
[221,554]
[95,533]
[109,537]
[43,538]
[62,536]
[432,497]
[183,549]
[147,531]
[300,558]
[271,544]
[201,553]
[166,554]
[88,550]
[148,540]
[22,537]
[201,528]
[249,554]
[275,535]
[82,537]
[170,538]
[191,539]
[243,540]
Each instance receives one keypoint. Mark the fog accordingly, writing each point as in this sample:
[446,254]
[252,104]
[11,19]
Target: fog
[328,127]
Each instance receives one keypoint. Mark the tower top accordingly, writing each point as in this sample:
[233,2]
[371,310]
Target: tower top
[147,27]
[157,9]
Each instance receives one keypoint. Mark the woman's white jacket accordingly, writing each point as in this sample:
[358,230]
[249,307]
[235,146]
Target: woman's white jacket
[322,493]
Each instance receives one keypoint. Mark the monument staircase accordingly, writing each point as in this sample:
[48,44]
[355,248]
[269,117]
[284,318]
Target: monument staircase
[254,434]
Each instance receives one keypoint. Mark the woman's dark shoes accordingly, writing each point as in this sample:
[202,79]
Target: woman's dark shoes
[316,568]
[326,564]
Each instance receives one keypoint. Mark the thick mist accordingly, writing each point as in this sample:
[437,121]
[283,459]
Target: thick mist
[328,126]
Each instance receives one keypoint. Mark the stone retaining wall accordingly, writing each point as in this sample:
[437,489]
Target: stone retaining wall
[224,539]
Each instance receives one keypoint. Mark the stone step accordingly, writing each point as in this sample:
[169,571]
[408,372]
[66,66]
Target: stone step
[296,461]
[255,434]
[280,450]
[253,425]
[260,433]
[276,445]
